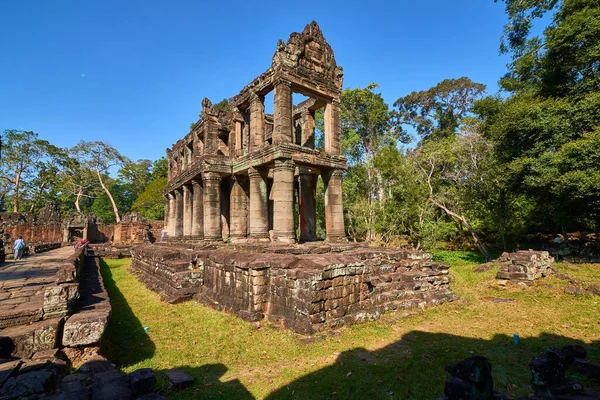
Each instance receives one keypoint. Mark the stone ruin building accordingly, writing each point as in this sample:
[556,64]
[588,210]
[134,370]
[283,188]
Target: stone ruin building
[237,172]
[239,176]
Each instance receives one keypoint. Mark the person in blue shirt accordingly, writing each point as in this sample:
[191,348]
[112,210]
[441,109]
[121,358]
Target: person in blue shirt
[19,247]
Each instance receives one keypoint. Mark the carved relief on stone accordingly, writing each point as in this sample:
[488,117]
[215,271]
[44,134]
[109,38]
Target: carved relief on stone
[309,52]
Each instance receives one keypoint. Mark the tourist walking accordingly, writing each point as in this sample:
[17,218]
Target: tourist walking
[19,247]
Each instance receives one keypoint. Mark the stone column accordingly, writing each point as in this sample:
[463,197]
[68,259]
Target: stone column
[238,138]
[258,207]
[308,129]
[172,215]
[212,206]
[197,211]
[282,116]
[187,211]
[333,128]
[167,221]
[257,123]
[238,213]
[307,206]
[178,214]
[283,201]
[334,209]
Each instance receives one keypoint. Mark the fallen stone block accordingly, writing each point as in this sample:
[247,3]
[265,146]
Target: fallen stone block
[96,364]
[85,328]
[547,369]
[471,379]
[178,379]
[29,339]
[142,381]
[26,385]
[110,385]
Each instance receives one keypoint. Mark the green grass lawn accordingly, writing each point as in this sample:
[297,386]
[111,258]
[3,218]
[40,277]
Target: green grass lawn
[397,357]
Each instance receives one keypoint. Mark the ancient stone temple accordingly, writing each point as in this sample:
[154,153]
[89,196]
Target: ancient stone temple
[248,177]
[239,173]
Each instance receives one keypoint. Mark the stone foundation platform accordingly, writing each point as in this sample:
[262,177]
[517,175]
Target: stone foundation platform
[308,288]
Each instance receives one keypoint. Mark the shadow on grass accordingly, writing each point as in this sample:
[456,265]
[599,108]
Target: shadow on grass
[412,368]
[124,341]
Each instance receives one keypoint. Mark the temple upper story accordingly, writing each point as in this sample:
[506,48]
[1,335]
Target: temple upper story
[240,172]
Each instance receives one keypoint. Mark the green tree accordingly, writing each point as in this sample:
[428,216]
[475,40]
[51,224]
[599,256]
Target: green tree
[100,157]
[151,203]
[22,157]
[555,80]
[366,127]
[436,113]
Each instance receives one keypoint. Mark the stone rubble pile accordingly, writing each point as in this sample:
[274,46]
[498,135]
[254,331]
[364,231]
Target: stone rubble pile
[524,265]
[472,379]
[45,377]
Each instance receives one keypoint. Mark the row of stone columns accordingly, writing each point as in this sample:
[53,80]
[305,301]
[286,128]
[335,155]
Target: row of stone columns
[194,211]
[283,121]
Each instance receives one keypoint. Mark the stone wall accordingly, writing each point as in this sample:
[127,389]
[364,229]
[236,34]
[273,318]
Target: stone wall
[75,311]
[305,288]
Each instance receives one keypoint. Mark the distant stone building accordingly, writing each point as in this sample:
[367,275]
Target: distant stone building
[239,172]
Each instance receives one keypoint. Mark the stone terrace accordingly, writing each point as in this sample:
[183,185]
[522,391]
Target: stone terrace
[308,288]
[24,283]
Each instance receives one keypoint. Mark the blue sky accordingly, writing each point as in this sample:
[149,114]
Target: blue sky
[133,73]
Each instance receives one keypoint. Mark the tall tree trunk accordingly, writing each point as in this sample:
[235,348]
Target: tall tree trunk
[78,196]
[17,184]
[371,217]
[112,201]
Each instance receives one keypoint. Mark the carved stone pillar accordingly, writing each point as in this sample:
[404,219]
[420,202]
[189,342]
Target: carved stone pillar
[197,211]
[257,123]
[212,206]
[283,201]
[238,138]
[239,208]
[334,209]
[308,129]
[172,216]
[307,206]
[259,208]
[333,128]
[282,116]
[178,214]
[187,211]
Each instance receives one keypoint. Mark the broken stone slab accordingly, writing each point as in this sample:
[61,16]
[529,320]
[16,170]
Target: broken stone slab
[95,365]
[178,378]
[142,381]
[28,384]
[110,385]
[85,328]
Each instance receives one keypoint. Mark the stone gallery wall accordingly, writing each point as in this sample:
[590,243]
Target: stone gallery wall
[305,288]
